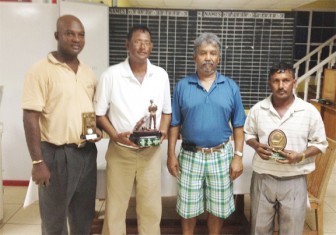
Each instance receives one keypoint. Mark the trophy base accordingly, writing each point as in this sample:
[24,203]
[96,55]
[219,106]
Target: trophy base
[90,137]
[146,138]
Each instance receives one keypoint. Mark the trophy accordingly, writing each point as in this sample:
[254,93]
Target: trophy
[277,140]
[145,135]
[89,126]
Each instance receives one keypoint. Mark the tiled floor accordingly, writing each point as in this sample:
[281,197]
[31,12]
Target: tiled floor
[19,221]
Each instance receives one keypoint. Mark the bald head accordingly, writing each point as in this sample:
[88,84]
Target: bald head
[65,20]
[70,35]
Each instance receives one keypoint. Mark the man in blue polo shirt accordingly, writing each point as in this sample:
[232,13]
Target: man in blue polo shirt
[207,109]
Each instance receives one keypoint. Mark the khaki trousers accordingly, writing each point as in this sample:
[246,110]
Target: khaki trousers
[127,167]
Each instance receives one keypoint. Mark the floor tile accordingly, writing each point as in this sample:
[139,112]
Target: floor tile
[331,202]
[27,221]
[331,190]
[10,210]
[29,215]
[329,223]
[20,229]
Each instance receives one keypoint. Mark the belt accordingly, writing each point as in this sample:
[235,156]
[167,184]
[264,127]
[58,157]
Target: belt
[217,148]
[80,145]
[194,148]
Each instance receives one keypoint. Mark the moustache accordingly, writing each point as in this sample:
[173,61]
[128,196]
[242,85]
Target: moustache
[281,90]
[207,62]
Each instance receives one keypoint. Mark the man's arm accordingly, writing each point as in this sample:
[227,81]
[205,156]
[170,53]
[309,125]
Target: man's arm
[295,157]
[263,150]
[236,168]
[40,171]
[164,125]
[104,123]
[172,163]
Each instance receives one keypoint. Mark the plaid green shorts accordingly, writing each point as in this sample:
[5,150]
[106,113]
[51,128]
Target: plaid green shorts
[205,172]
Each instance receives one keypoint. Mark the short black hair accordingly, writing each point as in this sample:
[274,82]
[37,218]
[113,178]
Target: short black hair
[137,27]
[281,67]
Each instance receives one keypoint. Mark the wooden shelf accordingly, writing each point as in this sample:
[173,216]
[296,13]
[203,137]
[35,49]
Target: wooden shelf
[328,113]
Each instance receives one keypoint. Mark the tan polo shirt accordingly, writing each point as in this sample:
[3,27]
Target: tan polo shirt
[61,96]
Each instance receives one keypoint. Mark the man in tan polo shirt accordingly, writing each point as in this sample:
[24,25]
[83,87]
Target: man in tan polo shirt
[57,91]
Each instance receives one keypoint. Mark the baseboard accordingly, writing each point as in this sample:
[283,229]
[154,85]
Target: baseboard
[15,182]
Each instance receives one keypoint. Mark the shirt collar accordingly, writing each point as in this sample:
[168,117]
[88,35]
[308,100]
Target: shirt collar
[295,107]
[127,71]
[55,61]
[219,78]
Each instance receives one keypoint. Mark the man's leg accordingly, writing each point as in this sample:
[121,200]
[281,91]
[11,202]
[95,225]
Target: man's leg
[215,224]
[82,183]
[120,173]
[263,204]
[292,205]
[148,191]
[53,198]
[190,198]
[188,226]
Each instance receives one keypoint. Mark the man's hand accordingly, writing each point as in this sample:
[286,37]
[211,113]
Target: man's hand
[123,138]
[41,174]
[173,166]
[236,168]
[99,136]
[291,157]
[264,151]
[163,135]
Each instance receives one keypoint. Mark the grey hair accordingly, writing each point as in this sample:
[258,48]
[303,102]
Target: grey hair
[208,38]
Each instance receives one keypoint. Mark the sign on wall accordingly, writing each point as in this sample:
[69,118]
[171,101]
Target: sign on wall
[251,42]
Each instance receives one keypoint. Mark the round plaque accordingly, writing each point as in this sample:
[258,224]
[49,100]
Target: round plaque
[277,140]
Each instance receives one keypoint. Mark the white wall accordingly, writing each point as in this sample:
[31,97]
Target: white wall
[26,36]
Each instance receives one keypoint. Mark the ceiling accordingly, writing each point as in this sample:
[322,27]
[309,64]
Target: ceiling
[275,5]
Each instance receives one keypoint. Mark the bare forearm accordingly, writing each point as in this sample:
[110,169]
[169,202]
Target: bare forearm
[33,134]
[238,135]
[254,143]
[165,122]
[104,123]
[174,132]
[311,151]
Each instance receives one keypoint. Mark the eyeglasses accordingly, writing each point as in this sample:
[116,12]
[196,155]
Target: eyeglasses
[140,43]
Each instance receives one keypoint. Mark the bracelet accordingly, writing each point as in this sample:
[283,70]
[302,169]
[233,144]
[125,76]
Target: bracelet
[238,153]
[303,157]
[37,162]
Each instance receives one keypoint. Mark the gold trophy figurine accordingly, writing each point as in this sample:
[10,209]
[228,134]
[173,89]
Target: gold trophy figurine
[152,114]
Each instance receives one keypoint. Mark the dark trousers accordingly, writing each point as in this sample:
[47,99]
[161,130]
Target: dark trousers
[70,197]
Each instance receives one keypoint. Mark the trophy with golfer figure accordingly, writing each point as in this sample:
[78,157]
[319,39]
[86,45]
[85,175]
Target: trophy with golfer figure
[145,132]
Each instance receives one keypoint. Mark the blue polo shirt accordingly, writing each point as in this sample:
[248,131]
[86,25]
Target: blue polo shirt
[205,117]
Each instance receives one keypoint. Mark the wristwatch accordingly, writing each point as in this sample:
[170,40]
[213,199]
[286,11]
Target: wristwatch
[238,153]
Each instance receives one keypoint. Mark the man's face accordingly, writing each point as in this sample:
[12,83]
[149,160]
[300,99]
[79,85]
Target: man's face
[281,85]
[70,37]
[206,59]
[140,46]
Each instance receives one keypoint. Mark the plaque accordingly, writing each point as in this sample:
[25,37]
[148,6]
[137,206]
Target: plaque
[145,133]
[89,126]
[277,140]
